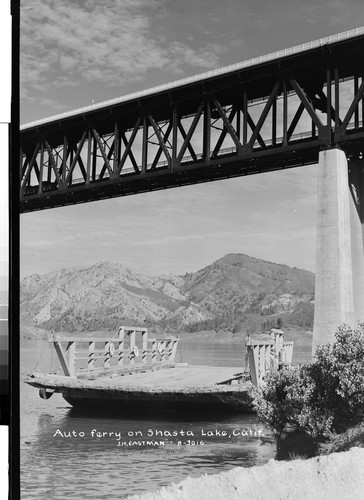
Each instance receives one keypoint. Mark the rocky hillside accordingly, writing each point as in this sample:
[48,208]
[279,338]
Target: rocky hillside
[235,293]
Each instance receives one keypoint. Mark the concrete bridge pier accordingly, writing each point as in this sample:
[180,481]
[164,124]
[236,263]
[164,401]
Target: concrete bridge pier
[339,286]
[356,185]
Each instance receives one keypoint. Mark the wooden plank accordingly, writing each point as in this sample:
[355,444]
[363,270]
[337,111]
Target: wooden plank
[128,369]
[145,347]
[107,355]
[71,357]
[62,358]
[109,390]
[177,379]
[91,356]
[103,339]
[171,377]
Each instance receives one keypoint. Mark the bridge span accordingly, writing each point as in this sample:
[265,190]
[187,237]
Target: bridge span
[291,108]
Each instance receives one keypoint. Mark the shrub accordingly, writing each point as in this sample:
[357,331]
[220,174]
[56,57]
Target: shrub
[322,397]
[273,403]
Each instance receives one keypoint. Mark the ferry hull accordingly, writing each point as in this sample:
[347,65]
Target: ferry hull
[178,388]
[239,401]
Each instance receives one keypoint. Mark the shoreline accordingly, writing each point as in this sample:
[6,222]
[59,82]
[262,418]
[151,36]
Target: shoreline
[329,477]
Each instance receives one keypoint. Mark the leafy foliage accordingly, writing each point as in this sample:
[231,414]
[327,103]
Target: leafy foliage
[272,402]
[321,397]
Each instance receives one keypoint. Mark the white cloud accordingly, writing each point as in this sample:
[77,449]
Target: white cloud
[37,243]
[109,42]
[271,216]
[182,238]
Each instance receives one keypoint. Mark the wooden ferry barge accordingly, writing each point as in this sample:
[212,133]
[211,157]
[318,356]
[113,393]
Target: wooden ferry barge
[132,371]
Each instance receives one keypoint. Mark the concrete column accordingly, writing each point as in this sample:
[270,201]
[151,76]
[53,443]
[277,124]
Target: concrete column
[334,301]
[356,184]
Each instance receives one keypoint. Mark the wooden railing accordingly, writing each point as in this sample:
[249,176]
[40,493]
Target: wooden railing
[130,348]
[265,355]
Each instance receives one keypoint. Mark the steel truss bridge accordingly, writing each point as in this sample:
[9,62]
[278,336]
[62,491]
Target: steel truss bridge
[269,113]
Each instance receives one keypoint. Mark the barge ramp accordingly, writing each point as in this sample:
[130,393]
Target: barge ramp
[174,387]
[133,371]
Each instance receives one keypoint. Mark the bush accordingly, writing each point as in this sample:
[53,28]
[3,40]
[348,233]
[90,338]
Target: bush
[322,397]
[273,403]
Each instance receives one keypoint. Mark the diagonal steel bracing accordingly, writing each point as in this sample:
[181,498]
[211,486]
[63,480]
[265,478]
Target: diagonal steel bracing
[273,116]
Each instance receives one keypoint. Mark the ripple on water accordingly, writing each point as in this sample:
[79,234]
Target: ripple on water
[55,468]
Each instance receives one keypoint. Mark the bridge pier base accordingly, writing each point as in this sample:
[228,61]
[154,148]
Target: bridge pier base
[339,286]
[356,184]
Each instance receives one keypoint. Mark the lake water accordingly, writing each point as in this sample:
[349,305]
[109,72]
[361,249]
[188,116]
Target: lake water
[132,454]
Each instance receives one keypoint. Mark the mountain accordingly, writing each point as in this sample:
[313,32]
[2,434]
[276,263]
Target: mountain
[235,293]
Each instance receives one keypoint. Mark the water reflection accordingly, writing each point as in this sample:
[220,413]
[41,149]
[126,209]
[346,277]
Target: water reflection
[91,466]
[86,453]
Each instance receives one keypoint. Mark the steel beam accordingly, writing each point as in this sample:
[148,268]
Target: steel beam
[101,144]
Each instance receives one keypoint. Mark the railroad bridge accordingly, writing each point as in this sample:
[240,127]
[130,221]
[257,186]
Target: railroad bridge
[299,106]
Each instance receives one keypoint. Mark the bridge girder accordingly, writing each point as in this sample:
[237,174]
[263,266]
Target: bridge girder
[277,115]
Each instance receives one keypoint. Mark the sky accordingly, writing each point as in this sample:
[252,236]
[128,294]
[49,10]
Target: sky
[76,53]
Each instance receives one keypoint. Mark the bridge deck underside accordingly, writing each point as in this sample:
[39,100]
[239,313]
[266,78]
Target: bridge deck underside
[276,115]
